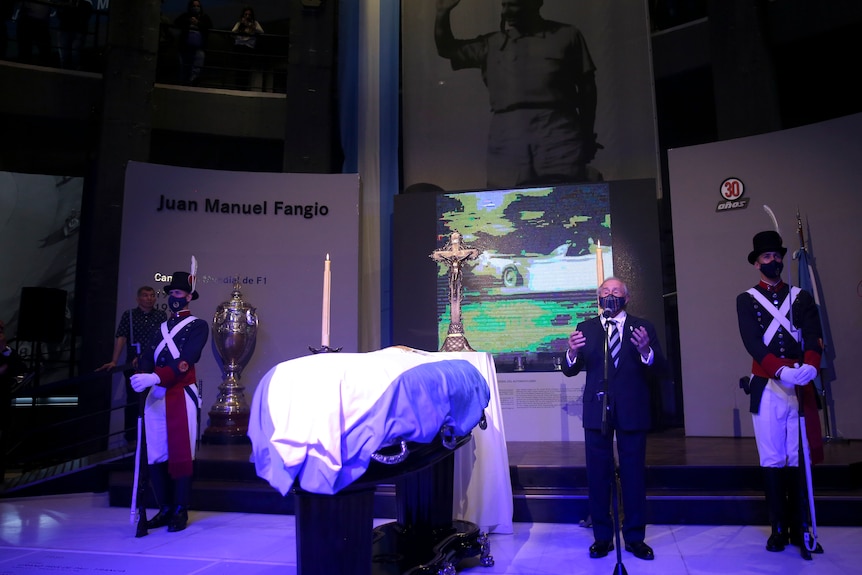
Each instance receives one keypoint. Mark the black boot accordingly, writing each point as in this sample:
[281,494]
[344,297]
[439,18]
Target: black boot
[798,512]
[773,483]
[162,518]
[179,519]
[777,540]
[182,497]
[161,484]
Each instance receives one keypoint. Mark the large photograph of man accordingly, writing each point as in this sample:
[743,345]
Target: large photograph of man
[508,93]
[541,90]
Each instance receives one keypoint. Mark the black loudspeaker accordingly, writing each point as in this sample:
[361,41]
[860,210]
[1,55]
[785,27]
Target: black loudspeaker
[42,314]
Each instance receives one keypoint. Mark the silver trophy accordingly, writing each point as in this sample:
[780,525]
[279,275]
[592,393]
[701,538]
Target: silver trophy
[234,330]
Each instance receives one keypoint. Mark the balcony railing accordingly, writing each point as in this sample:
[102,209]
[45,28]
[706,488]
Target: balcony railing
[227,66]
[73,36]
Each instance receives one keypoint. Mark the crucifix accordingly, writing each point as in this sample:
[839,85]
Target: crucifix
[454,254]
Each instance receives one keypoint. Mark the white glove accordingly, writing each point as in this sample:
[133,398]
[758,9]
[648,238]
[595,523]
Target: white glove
[141,381]
[158,392]
[809,373]
[798,375]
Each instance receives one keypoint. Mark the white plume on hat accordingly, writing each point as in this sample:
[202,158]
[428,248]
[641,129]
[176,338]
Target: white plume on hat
[193,273]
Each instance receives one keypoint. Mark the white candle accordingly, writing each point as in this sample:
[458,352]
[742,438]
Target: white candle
[600,264]
[327,281]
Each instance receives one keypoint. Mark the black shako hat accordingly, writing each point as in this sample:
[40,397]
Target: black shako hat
[182,281]
[768,241]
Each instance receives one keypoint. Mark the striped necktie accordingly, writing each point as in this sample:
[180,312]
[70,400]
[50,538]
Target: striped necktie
[614,341]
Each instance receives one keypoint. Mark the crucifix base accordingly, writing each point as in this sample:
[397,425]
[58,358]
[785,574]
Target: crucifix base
[455,339]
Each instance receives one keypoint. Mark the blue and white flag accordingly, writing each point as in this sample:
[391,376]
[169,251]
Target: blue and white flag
[809,281]
[318,419]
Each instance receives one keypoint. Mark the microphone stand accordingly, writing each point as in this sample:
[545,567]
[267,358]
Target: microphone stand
[619,568]
[606,314]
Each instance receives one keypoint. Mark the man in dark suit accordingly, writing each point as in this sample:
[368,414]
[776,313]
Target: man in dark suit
[622,357]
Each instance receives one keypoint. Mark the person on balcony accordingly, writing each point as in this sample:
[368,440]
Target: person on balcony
[34,32]
[245,33]
[194,27]
[73,24]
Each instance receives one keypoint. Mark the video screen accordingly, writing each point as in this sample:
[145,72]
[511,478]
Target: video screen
[540,255]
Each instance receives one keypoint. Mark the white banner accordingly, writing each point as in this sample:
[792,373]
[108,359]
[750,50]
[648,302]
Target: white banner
[269,232]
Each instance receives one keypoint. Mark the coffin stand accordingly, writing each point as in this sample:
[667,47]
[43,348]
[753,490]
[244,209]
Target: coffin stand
[336,534]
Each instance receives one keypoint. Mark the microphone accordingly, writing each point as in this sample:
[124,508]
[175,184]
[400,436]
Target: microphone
[606,314]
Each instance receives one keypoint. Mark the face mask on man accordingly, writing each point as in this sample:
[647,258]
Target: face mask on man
[177,303]
[612,304]
[772,270]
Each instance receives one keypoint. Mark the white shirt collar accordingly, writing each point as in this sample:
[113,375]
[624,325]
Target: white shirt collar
[620,319]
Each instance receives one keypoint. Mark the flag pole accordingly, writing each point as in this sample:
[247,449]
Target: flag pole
[802,259]
[805,268]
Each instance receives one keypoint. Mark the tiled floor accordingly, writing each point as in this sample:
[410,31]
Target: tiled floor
[82,534]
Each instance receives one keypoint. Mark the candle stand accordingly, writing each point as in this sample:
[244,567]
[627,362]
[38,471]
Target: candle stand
[324,349]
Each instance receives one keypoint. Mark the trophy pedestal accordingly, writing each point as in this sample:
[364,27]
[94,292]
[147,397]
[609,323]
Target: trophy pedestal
[226,429]
[228,417]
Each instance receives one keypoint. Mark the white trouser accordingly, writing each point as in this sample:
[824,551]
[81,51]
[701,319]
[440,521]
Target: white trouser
[776,426]
[157,428]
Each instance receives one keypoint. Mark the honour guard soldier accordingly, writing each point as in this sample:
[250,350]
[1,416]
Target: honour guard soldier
[170,413]
[780,328]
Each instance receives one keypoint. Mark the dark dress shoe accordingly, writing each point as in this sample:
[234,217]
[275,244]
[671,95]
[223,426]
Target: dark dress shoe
[160,519]
[641,550]
[179,519]
[600,549]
